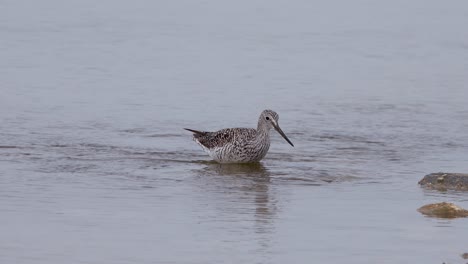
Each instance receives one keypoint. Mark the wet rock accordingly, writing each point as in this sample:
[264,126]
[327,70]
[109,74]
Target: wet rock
[464,255]
[443,210]
[445,181]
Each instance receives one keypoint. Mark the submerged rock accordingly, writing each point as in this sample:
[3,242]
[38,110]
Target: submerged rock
[445,181]
[443,210]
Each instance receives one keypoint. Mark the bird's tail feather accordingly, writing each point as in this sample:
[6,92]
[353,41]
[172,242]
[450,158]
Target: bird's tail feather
[195,131]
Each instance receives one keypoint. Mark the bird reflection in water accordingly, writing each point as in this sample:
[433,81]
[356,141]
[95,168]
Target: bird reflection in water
[239,186]
[241,169]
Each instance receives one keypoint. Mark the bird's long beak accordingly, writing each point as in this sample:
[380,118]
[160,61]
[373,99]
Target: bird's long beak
[276,126]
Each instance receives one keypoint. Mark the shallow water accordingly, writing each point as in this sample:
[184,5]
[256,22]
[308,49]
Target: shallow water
[95,166]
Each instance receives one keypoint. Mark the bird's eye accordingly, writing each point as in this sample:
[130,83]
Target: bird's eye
[267,118]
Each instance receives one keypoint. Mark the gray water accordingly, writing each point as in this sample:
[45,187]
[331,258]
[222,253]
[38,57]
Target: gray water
[95,166]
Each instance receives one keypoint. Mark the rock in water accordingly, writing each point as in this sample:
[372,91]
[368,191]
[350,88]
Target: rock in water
[443,210]
[445,181]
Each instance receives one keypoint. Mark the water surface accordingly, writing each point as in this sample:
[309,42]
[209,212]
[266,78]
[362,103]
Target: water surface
[95,166]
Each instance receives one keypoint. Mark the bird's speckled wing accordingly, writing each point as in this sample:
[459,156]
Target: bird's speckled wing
[223,137]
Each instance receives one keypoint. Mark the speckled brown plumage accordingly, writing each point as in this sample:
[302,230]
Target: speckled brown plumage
[233,145]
